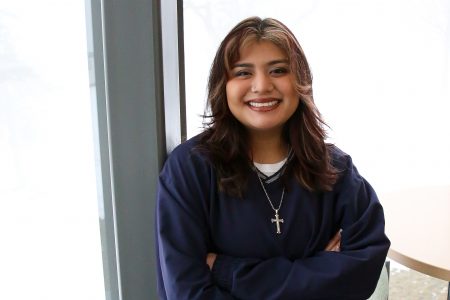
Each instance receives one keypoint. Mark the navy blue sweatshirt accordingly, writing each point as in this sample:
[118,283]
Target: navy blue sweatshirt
[254,262]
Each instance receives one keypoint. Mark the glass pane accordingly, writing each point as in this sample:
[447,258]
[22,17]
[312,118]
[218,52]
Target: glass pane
[48,204]
[381,77]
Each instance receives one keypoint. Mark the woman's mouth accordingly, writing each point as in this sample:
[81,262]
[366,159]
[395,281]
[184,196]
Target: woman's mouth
[263,105]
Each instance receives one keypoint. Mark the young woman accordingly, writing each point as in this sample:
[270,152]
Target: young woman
[258,206]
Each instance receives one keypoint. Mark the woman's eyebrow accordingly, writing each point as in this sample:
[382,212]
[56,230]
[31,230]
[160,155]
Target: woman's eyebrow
[243,65]
[278,61]
[270,63]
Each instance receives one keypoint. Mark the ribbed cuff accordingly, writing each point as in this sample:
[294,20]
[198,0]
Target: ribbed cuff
[222,271]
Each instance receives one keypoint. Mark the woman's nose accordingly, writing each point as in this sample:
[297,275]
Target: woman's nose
[262,83]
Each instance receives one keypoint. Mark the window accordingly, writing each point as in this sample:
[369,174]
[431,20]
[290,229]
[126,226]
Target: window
[48,200]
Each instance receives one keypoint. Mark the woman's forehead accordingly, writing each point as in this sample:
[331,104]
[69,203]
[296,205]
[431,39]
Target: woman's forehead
[263,47]
[250,45]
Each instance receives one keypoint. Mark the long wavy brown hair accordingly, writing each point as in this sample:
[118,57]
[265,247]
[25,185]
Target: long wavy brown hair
[225,139]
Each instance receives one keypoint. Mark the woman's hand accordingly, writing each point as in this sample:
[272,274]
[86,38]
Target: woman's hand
[335,243]
[210,259]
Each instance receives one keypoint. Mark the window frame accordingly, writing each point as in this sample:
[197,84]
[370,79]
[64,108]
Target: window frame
[130,45]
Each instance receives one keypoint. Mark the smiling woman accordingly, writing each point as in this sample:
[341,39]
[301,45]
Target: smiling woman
[261,90]
[259,206]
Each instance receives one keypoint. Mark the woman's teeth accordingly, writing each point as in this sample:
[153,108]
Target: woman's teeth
[262,104]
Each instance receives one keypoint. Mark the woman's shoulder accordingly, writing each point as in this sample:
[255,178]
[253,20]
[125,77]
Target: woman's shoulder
[187,153]
[188,148]
[343,163]
[339,159]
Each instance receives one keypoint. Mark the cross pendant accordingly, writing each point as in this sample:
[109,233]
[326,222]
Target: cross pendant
[278,221]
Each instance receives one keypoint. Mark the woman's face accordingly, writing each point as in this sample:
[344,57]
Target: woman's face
[261,90]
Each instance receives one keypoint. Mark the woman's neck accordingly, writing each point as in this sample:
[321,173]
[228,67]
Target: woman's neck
[268,149]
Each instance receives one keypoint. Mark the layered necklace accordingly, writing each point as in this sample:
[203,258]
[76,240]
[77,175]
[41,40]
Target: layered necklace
[277,220]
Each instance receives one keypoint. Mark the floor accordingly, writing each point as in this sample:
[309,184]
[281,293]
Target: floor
[406,284]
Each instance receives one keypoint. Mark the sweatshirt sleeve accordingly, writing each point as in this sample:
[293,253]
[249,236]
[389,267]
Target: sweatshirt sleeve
[349,274]
[182,235]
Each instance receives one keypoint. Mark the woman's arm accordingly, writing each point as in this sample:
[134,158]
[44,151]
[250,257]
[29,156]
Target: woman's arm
[333,245]
[349,274]
[182,234]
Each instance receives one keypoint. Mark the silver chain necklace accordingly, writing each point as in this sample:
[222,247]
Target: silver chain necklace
[277,219]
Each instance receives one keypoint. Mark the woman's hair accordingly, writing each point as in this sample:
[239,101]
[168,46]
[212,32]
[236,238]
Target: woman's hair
[225,138]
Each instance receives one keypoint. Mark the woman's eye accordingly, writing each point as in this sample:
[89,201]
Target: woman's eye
[241,73]
[279,71]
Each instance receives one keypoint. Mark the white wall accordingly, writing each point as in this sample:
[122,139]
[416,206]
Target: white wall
[381,77]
